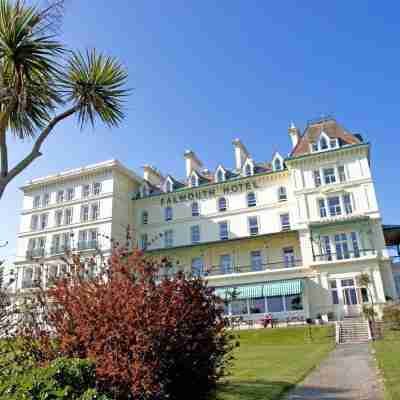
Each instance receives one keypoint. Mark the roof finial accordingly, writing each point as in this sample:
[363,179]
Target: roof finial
[292,125]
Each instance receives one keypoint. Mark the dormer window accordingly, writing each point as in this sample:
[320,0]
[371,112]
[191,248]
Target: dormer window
[169,185]
[194,180]
[277,162]
[324,143]
[220,174]
[248,168]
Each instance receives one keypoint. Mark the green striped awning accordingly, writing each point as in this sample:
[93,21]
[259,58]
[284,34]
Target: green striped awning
[241,292]
[283,288]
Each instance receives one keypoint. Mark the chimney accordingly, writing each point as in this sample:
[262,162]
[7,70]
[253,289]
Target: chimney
[294,134]
[241,153]
[152,175]
[192,162]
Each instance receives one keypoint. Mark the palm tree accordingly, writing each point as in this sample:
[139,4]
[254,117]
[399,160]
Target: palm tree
[42,83]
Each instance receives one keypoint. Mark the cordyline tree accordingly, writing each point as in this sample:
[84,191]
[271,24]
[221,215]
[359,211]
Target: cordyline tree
[42,83]
[152,335]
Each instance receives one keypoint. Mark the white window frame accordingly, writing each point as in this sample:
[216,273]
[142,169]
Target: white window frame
[222,209]
[96,192]
[285,227]
[85,212]
[195,235]
[253,229]
[35,222]
[217,177]
[56,214]
[37,201]
[220,224]
[195,209]
[276,157]
[248,164]
[331,143]
[95,216]
[251,199]
[168,214]
[169,185]
[168,238]
[193,179]
[282,193]
[66,221]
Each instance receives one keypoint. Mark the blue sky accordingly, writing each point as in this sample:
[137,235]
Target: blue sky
[205,72]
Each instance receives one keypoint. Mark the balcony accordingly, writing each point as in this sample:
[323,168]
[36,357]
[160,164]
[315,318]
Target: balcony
[218,270]
[35,253]
[87,245]
[345,255]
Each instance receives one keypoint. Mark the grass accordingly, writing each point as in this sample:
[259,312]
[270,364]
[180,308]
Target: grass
[388,357]
[271,361]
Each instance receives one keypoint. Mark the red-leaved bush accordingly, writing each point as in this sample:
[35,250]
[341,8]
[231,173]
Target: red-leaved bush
[151,337]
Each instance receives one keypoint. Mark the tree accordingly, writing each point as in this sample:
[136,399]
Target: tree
[42,83]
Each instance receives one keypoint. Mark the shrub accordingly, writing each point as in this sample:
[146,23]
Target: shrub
[150,337]
[391,314]
[71,379]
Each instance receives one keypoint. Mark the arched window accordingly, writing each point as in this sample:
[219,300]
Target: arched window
[248,171]
[220,175]
[282,194]
[195,209]
[323,143]
[145,217]
[193,180]
[251,199]
[168,213]
[277,164]
[222,204]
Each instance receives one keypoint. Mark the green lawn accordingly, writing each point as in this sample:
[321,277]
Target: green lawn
[388,357]
[270,361]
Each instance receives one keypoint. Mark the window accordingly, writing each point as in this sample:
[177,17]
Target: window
[58,217]
[83,239]
[222,204]
[251,199]
[256,260]
[333,143]
[288,257]
[341,173]
[342,247]
[285,222]
[70,194]
[60,196]
[334,206]
[36,201]
[248,171]
[329,175]
[282,194]
[253,226]
[32,244]
[314,147]
[220,175]
[93,236]
[334,292]
[193,180]
[168,238]
[257,306]
[275,304]
[52,274]
[85,191]
[46,199]
[317,178]
[326,247]
[34,222]
[223,230]
[44,219]
[195,209]
[68,216]
[27,277]
[144,239]
[96,188]
[225,264]
[197,266]
[348,209]
[66,239]
[94,212]
[85,213]
[195,234]
[322,208]
[145,217]
[354,243]
[56,244]
[293,303]
[239,307]
[323,143]
[168,213]
[277,164]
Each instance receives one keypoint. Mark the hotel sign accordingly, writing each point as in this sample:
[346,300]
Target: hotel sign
[203,194]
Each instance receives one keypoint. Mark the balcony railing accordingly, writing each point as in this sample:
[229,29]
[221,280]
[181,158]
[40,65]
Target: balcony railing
[345,255]
[87,244]
[58,250]
[35,253]
[54,250]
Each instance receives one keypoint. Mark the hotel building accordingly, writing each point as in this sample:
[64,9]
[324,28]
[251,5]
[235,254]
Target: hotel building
[289,237]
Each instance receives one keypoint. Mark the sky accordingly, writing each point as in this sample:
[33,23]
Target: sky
[204,72]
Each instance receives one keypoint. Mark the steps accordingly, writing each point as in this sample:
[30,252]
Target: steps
[354,330]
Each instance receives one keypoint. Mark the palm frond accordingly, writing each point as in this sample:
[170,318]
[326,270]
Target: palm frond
[97,84]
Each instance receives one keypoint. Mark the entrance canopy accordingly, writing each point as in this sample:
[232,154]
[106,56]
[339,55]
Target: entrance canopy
[267,289]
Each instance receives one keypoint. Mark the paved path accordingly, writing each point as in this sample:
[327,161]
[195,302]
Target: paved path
[348,373]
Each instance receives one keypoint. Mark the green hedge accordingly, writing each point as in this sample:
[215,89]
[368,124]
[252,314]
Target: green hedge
[72,379]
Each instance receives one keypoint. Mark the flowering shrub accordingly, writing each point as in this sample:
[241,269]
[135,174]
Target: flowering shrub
[150,336]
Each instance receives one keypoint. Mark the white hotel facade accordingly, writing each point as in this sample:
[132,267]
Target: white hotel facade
[291,236]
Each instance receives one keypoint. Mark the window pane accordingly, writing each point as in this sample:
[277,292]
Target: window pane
[222,204]
[257,306]
[334,206]
[251,199]
[322,208]
[317,178]
[288,257]
[294,303]
[195,209]
[256,260]
[253,225]
[335,296]
[329,175]
[347,204]
[341,173]
[195,233]
[239,307]
[285,221]
[225,263]
[275,304]
[282,195]
[223,230]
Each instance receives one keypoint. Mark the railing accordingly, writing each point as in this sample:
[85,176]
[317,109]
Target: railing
[54,250]
[345,255]
[87,244]
[238,269]
[58,250]
[35,253]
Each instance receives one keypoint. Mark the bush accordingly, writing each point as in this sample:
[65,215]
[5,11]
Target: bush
[391,314]
[150,337]
[71,379]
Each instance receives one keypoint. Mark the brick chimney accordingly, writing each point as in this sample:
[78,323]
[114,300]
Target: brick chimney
[152,175]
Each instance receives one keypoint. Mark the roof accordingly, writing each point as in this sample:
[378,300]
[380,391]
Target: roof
[331,129]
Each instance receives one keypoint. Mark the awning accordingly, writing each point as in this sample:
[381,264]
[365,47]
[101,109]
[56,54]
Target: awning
[268,289]
[283,288]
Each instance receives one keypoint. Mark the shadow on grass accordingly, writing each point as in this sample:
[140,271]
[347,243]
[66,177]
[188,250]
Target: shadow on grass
[266,390]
